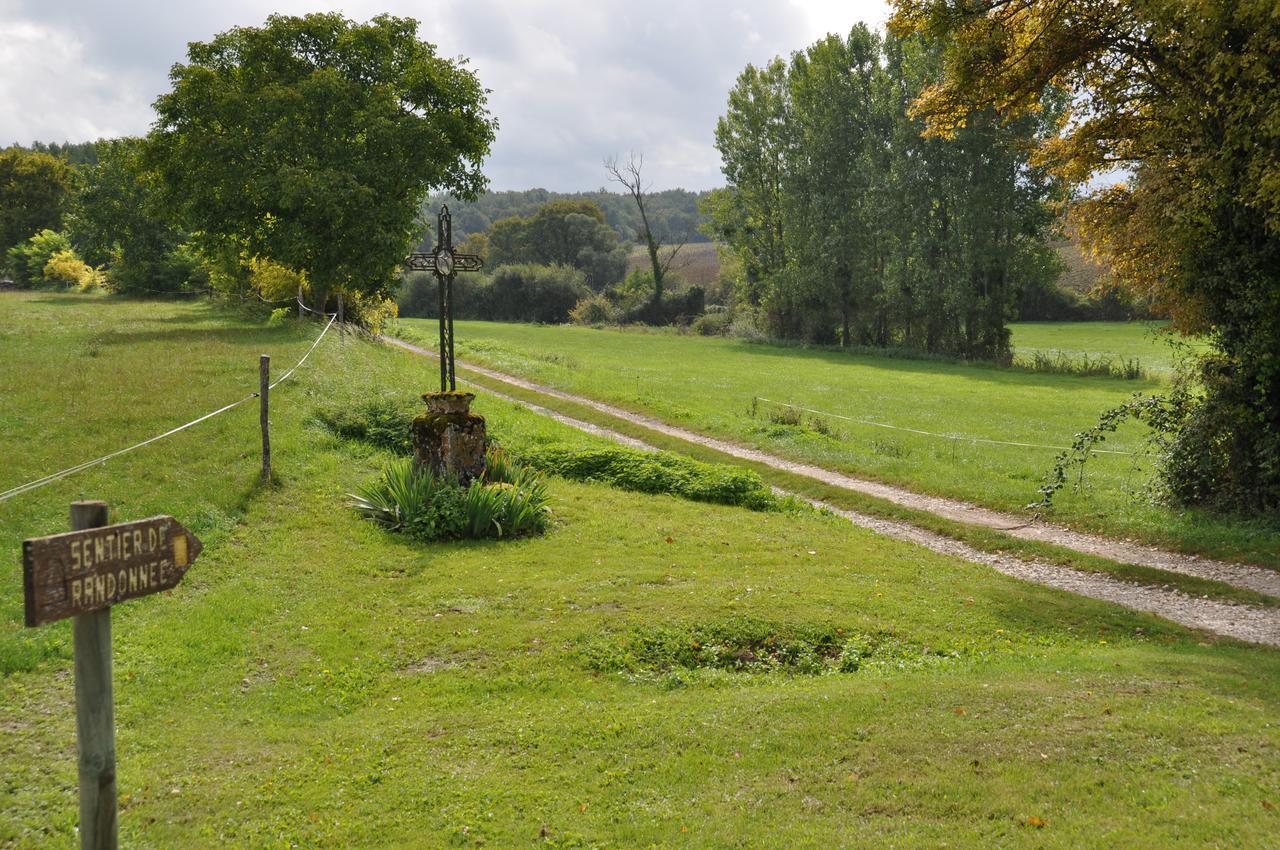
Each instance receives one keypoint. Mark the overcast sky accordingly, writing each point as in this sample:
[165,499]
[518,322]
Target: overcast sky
[572,80]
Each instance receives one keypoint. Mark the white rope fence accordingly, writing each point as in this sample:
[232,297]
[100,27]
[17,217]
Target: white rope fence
[80,467]
[957,437]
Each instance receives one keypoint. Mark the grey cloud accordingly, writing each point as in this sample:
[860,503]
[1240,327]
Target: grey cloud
[571,82]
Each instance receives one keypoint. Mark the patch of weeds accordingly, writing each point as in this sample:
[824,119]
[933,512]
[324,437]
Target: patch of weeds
[818,425]
[676,655]
[1061,363]
[789,420]
[786,416]
[383,422]
[660,472]
[886,448]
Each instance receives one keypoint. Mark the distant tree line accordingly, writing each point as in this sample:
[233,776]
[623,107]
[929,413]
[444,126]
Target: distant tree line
[854,228]
[676,213]
[544,266]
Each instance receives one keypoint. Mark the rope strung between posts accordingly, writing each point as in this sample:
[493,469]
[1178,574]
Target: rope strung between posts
[80,467]
[286,375]
[298,300]
[964,437]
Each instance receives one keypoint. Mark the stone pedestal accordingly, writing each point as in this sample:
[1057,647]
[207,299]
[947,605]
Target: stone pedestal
[449,439]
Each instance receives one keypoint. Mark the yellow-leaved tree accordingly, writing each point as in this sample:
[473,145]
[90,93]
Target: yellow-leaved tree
[1177,99]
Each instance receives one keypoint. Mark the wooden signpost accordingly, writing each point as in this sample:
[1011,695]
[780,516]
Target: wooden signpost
[82,574]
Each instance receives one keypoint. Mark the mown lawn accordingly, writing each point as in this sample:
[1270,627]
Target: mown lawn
[726,387]
[316,682]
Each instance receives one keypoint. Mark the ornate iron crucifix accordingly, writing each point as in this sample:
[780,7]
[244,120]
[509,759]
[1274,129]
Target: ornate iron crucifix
[445,263]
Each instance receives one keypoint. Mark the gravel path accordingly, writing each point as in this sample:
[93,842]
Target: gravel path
[1244,622]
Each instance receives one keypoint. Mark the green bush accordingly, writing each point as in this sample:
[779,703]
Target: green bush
[595,310]
[713,323]
[383,422]
[531,293]
[416,503]
[419,296]
[658,472]
[27,260]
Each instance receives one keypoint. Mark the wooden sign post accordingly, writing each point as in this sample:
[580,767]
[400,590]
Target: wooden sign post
[82,574]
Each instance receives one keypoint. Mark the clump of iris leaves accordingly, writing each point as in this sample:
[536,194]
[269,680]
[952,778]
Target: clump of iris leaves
[385,423]
[508,501]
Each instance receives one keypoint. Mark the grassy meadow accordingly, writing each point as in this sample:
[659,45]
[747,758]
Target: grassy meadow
[317,682]
[1152,344]
[719,386]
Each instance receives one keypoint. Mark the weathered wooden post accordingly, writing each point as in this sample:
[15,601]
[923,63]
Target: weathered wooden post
[299,300]
[342,319]
[264,393]
[95,709]
[81,574]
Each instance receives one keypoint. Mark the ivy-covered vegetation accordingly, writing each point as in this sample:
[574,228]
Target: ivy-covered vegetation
[1171,93]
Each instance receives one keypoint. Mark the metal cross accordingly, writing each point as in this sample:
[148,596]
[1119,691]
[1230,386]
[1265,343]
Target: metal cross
[445,263]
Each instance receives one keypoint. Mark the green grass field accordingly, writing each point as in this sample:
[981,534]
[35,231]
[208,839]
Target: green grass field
[709,383]
[315,682]
[1153,344]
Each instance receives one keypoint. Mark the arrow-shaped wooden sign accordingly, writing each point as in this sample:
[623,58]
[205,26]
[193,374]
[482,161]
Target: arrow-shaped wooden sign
[80,571]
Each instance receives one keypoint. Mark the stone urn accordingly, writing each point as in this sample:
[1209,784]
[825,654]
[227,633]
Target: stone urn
[449,440]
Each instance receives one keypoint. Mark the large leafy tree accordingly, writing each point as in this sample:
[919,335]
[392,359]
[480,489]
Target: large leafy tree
[34,189]
[114,221]
[567,232]
[313,141]
[752,137]
[1181,97]
[852,227]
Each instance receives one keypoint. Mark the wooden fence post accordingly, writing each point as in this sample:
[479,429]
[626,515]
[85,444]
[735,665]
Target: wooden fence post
[95,710]
[342,318]
[264,402]
[299,301]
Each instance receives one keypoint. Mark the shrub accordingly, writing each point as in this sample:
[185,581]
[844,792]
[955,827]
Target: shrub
[370,312]
[594,310]
[144,273]
[658,472]
[414,502]
[745,327]
[675,308]
[419,296]
[27,260]
[713,323]
[531,293]
[66,269]
[383,422]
